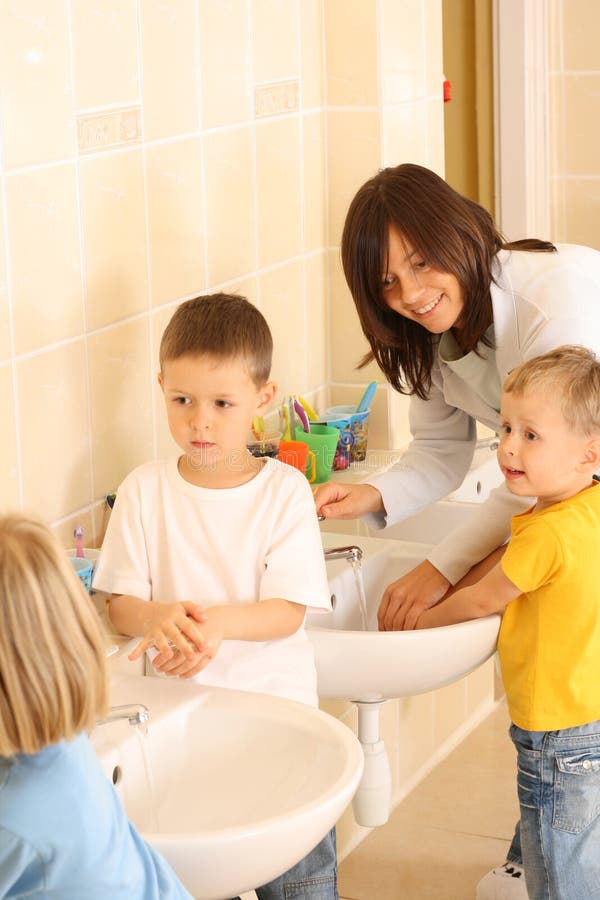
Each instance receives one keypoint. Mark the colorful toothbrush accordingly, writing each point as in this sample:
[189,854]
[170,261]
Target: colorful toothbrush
[301,413]
[258,426]
[78,535]
[365,401]
[284,422]
[308,409]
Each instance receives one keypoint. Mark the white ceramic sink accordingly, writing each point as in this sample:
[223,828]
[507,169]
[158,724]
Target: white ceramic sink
[370,665]
[244,784]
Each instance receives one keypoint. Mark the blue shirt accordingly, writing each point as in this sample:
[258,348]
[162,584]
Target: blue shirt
[64,833]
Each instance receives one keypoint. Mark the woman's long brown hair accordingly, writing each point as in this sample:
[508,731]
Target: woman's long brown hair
[452,233]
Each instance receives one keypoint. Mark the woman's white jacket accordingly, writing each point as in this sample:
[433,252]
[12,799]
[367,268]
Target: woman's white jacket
[540,301]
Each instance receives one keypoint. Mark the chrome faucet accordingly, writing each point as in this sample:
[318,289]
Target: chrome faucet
[492,443]
[352,553]
[135,713]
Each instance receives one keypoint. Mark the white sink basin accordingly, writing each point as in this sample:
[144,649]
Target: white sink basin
[244,784]
[370,665]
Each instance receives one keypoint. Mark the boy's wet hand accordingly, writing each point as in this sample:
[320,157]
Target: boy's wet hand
[170,628]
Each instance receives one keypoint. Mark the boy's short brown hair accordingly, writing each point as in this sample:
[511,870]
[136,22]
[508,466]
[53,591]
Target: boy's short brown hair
[53,681]
[224,326]
[570,374]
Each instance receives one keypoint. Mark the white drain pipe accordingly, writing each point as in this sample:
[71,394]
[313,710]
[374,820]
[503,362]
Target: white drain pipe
[372,801]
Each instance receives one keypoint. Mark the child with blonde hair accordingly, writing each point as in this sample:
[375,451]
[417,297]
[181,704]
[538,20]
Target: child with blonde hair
[63,831]
[546,582]
[214,555]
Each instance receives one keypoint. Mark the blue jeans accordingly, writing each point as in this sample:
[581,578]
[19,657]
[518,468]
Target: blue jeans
[558,781]
[313,878]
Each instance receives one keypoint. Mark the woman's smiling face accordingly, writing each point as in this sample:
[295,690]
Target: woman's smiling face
[414,289]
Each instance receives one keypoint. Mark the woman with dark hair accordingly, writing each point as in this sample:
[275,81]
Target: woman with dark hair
[449,309]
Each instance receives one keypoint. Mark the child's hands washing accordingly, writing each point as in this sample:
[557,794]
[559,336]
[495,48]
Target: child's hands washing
[188,666]
[171,629]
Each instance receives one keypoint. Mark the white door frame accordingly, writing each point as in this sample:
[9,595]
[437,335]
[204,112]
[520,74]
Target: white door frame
[521,141]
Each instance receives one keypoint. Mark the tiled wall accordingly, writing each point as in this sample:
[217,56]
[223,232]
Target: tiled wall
[574,116]
[384,94]
[150,150]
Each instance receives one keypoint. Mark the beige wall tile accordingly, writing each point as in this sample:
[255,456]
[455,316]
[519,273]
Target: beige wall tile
[555,40]
[34,64]
[245,287]
[582,113]
[315,181]
[282,304]
[5,340]
[170,67]
[165,445]
[114,236]
[53,426]
[100,517]
[405,134]
[558,229]
[348,343]
[398,407]
[351,52]
[403,51]
[312,53]
[45,256]
[582,213]
[231,221]
[279,190]
[315,269]
[433,48]
[274,59]
[121,407]
[435,135]
[105,52]
[415,741]
[9,460]
[449,710]
[354,155]
[225,63]
[581,21]
[480,686]
[558,138]
[389,733]
[175,219]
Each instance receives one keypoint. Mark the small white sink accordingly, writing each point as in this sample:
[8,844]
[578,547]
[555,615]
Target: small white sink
[244,784]
[360,665]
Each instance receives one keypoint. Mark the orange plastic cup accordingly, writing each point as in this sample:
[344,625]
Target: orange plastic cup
[298,454]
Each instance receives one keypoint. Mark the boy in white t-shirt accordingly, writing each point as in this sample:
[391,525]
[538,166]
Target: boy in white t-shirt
[213,557]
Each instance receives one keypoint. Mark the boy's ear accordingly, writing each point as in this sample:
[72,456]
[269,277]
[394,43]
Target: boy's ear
[591,456]
[266,396]
[160,379]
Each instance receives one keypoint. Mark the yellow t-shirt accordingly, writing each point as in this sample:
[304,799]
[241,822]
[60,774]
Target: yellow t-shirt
[549,642]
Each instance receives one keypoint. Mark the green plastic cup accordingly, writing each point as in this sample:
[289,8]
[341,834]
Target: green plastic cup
[322,440]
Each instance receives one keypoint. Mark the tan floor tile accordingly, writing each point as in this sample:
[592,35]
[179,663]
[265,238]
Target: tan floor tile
[449,831]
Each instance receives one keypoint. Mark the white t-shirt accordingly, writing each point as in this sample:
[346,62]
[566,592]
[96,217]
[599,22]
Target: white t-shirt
[170,541]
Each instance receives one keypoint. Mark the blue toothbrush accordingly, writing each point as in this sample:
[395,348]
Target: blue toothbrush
[365,401]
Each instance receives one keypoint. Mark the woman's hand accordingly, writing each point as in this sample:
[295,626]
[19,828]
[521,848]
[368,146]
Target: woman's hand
[347,501]
[404,600]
